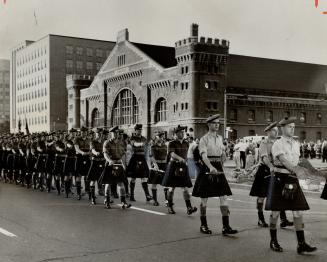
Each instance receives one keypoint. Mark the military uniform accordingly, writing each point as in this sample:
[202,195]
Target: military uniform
[69,165]
[60,156]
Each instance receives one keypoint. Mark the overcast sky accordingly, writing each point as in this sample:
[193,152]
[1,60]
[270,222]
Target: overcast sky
[281,29]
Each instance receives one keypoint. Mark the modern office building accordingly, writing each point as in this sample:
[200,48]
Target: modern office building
[4,95]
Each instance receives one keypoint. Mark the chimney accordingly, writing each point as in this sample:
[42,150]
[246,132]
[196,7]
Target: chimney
[122,36]
[194,30]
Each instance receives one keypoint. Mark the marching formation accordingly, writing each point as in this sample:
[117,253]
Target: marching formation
[114,162]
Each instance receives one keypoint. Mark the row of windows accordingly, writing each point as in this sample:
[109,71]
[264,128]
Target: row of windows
[34,94]
[184,106]
[213,106]
[32,82]
[184,86]
[31,56]
[211,85]
[80,65]
[89,51]
[35,120]
[32,69]
[32,108]
[4,77]
[233,116]
[184,70]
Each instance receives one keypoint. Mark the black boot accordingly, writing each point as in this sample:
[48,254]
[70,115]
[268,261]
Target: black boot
[107,202]
[166,196]
[58,187]
[34,178]
[132,187]
[302,245]
[79,190]
[284,221]
[261,221]
[190,209]
[154,195]
[48,185]
[227,230]
[146,191]
[113,188]
[124,204]
[67,188]
[204,226]
[92,190]
[170,207]
[274,245]
[126,187]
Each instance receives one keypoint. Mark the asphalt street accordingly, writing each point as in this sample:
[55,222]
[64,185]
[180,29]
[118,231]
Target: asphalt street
[39,226]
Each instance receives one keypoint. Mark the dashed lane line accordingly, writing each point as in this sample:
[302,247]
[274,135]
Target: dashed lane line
[146,210]
[7,233]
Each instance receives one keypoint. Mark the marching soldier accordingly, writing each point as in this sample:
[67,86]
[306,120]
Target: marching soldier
[33,160]
[138,166]
[22,159]
[260,183]
[177,172]
[284,191]
[114,172]
[60,156]
[49,165]
[41,160]
[158,157]
[70,162]
[211,181]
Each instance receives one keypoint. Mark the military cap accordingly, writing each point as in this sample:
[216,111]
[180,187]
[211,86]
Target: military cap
[97,130]
[114,129]
[212,118]
[83,129]
[138,126]
[287,120]
[271,126]
[72,130]
[51,134]
[180,128]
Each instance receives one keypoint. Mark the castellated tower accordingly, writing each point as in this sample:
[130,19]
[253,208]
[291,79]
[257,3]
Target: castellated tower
[202,64]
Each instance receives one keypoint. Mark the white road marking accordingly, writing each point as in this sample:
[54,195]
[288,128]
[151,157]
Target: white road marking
[7,233]
[146,210]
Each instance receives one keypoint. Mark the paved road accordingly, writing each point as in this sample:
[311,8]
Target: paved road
[37,226]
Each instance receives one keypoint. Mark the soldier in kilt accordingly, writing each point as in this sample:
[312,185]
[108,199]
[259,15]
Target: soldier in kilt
[211,181]
[16,162]
[41,160]
[262,176]
[177,172]
[82,148]
[22,159]
[138,166]
[1,154]
[158,157]
[97,162]
[49,165]
[60,156]
[70,162]
[284,192]
[114,171]
[33,160]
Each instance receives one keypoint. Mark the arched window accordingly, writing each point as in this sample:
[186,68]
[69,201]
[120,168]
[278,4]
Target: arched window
[95,117]
[125,109]
[161,110]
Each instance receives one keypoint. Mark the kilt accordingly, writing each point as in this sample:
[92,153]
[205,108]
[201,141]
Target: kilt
[16,163]
[49,164]
[261,181]
[30,163]
[275,200]
[324,192]
[22,162]
[156,177]
[59,164]
[82,165]
[211,185]
[4,159]
[112,174]
[69,165]
[96,169]
[40,163]
[138,167]
[10,161]
[176,175]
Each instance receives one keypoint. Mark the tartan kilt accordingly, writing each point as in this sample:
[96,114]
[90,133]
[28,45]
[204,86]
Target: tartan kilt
[156,177]
[211,185]
[176,175]
[95,170]
[40,163]
[261,181]
[324,192]
[112,174]
[138,167]
[275,200]
[82,165]
[69,165]
[59,164]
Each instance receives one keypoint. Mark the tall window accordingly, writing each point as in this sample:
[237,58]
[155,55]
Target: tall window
[319,117]
[251,115]
[121,60]
[303,117]
[233,115]
[125,110]
[69,50]
[161,110]
[269,116]
[99,52]
[89,52]
[95,117]
[79,50]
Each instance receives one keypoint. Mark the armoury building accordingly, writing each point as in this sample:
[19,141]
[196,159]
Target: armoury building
[162,87]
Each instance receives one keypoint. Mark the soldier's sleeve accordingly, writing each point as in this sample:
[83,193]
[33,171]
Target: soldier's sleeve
[171,147]
[263,150]
[203,146]
[277,149]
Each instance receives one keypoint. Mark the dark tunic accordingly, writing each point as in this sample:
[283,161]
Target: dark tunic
[159,153]
[51,151]
[70,159]
[60,157]
[97,162]
[176,174]
[83,162]
[138,166]
[113,173]
[42,157]
[22,158]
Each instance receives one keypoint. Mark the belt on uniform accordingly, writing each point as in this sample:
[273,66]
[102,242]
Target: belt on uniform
[98,159]
[214,158]
[161,161]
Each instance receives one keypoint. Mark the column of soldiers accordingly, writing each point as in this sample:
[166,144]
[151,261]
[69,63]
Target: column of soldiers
[107,158]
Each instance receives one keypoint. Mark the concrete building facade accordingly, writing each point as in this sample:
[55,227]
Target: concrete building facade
[4,95]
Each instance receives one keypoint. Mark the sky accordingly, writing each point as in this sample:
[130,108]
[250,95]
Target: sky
[292,30]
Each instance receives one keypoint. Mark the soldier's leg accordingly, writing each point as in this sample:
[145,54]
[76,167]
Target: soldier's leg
[126,186]
[299,227]
[100,189]
[34,180]
[122,194]
[132,188]
[146,189]
[261,217]
[78,184]
[87,185]
[49,182]
[113,189]
[107,189]
[57,181]
[41,177]
[284,221]
[224,209]
[274,245]
[67,184]
[187,198]
[166,195]
[170,200]
[92,192]
[155,195]
[203,216]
